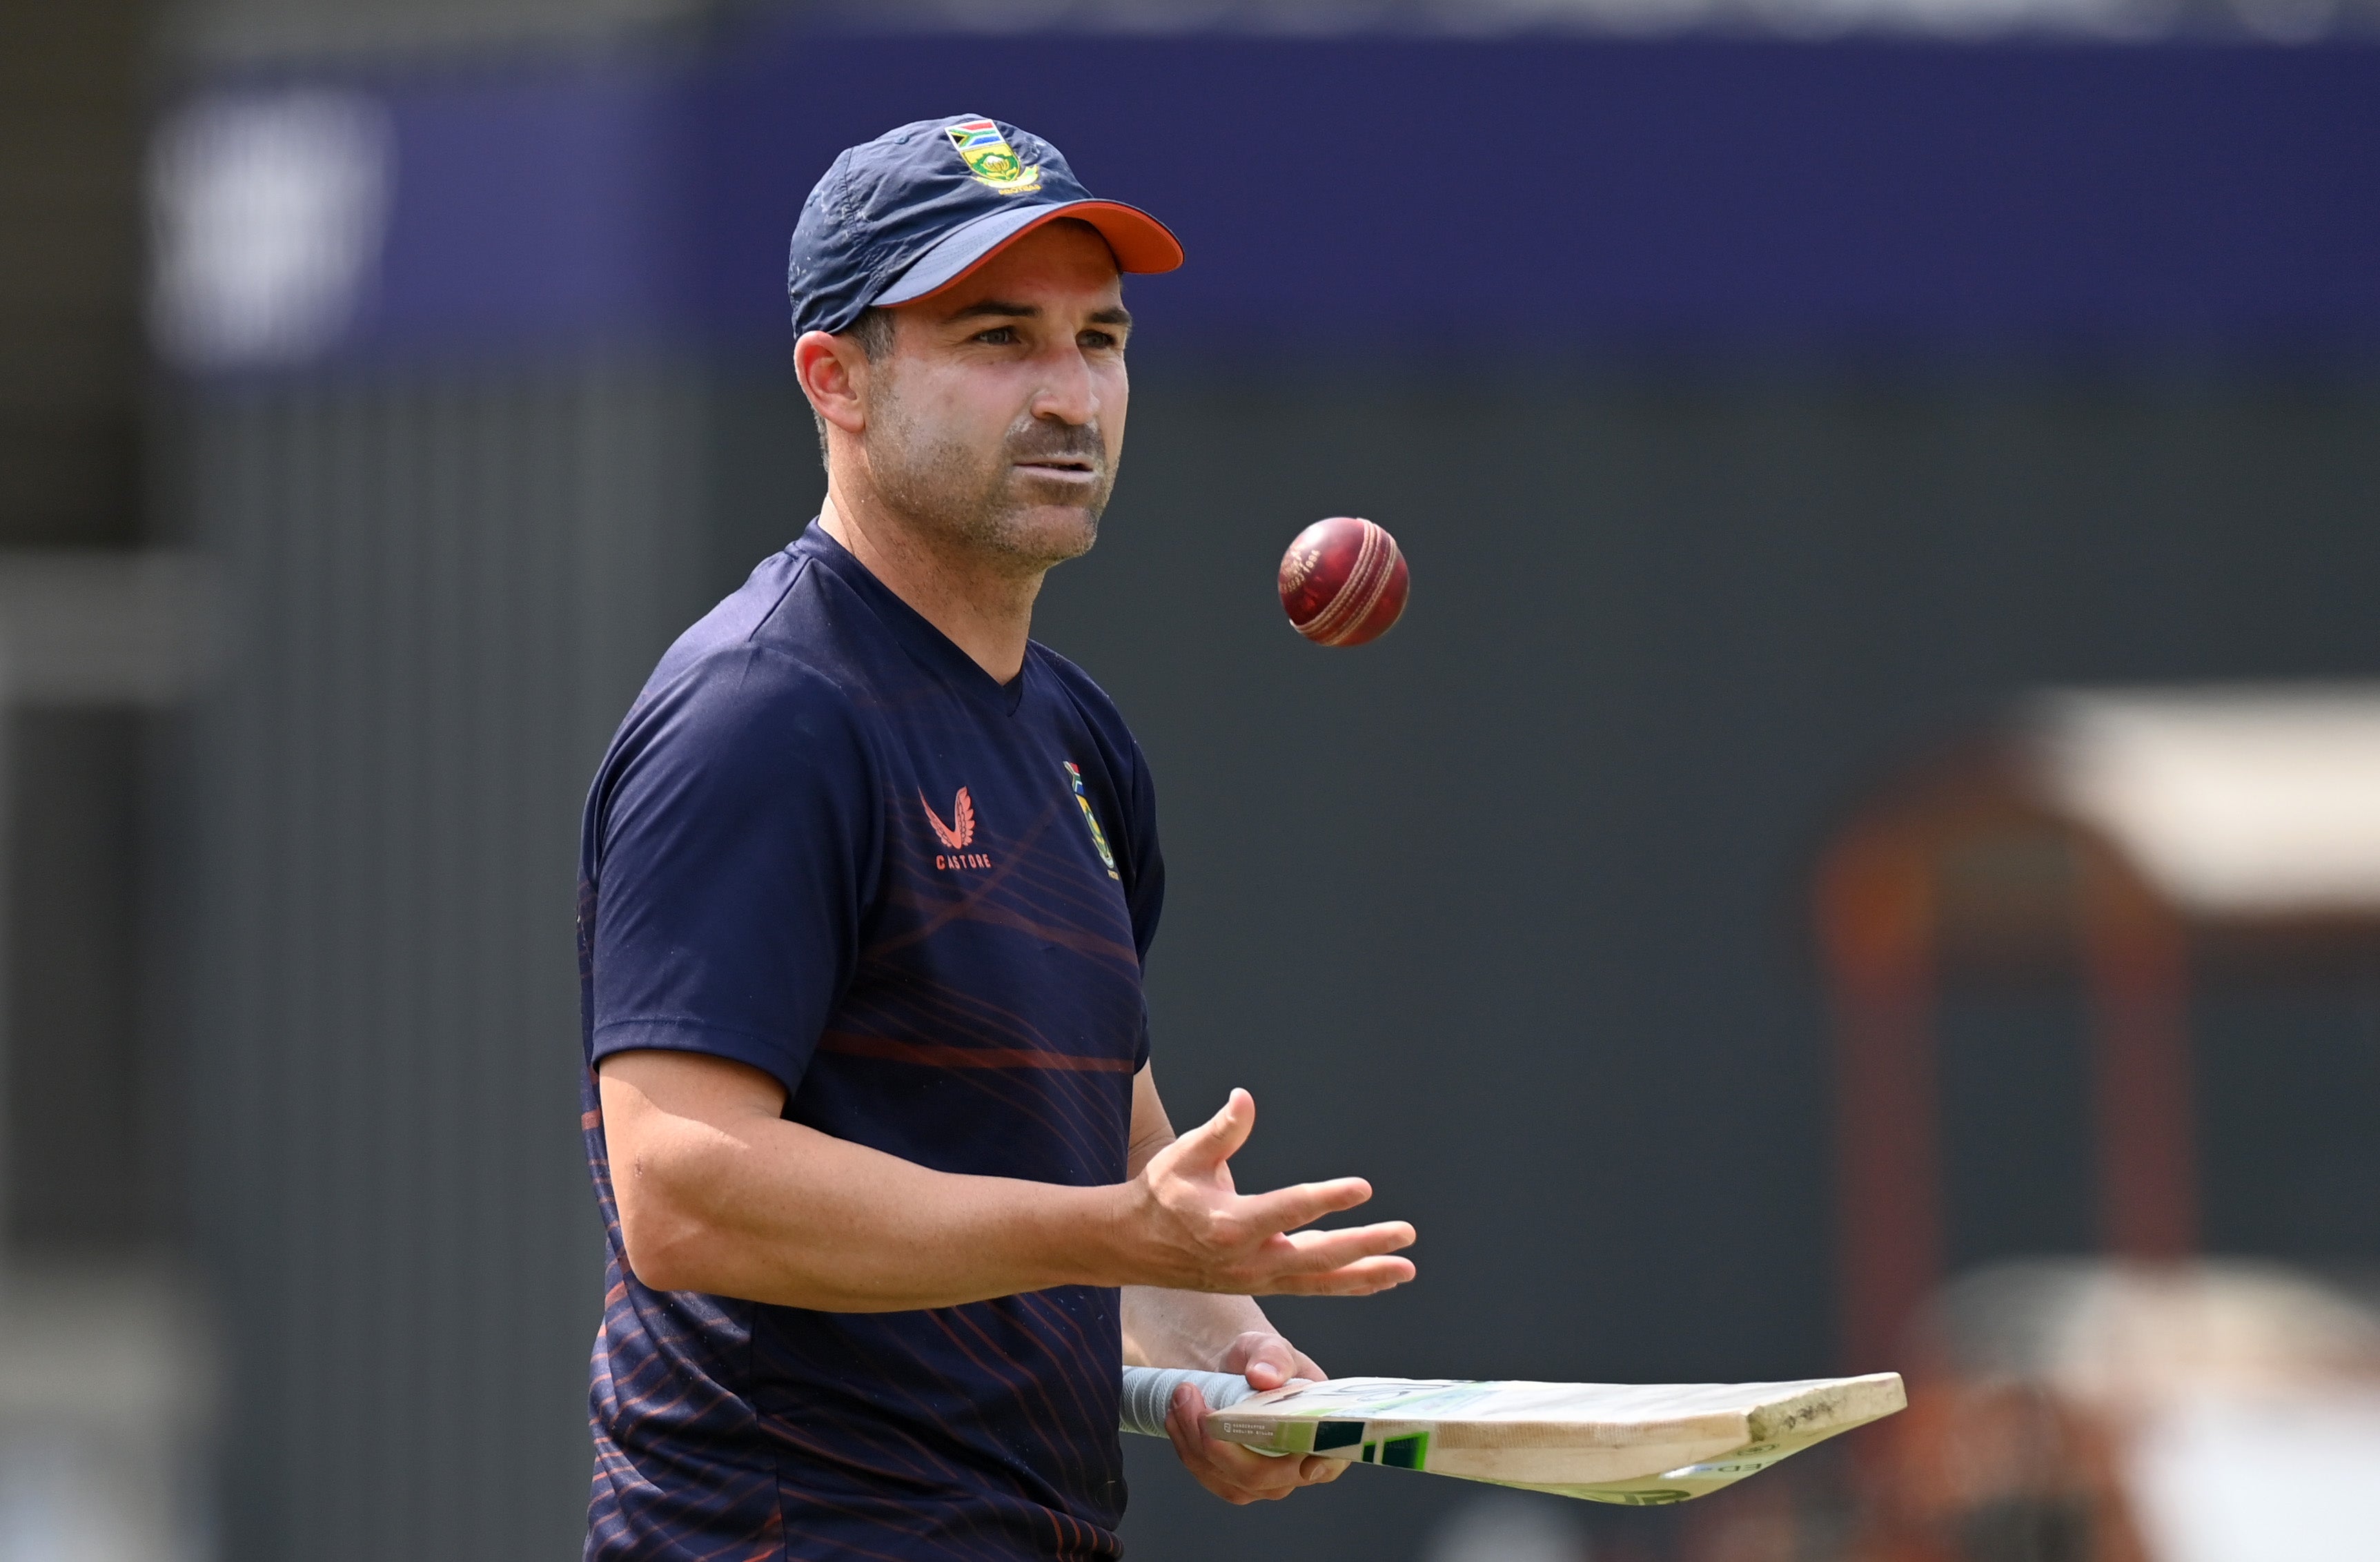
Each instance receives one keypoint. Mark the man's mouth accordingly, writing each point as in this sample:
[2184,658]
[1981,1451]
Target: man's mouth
[1065,469]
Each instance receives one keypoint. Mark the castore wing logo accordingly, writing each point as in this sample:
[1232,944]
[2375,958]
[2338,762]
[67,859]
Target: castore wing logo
[956,836]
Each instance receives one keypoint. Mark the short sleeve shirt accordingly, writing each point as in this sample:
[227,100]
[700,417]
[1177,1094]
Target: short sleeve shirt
[827,845]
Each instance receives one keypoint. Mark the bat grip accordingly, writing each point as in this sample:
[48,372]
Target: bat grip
[1148,1394]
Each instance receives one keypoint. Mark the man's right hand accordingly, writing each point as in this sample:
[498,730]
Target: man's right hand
[1189,1229]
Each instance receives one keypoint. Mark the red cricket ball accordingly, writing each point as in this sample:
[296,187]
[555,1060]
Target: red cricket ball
[1342,581]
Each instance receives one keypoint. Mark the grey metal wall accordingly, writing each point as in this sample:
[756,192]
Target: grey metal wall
[1503,911]
[1506,912]
[447,586]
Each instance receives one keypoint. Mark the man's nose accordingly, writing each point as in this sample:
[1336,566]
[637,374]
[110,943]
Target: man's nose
[1068,391]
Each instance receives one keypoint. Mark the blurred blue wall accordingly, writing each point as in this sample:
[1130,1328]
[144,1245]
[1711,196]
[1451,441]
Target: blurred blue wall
[1391,195]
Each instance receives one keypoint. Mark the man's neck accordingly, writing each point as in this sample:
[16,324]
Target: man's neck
[984,612]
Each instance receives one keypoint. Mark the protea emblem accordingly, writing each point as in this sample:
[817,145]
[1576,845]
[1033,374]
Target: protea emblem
[1099,836]
[990,159]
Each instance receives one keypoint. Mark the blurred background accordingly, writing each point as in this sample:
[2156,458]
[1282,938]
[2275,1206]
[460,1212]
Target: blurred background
[1864,852]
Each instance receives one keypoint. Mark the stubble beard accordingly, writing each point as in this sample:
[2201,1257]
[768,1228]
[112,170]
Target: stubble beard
[976,501]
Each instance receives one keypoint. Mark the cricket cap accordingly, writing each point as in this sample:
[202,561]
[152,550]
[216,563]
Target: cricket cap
[917,208]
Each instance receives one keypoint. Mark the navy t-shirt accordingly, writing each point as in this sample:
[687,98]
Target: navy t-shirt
[826,844]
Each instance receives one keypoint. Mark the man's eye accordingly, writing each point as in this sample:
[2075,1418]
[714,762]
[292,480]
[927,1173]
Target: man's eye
[998,337]
[1100,339]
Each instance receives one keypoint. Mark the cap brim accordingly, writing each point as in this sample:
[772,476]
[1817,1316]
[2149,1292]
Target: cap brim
[1140,242]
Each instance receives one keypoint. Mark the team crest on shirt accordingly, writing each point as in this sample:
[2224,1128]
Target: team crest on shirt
[990,159]
[956,836]
[1090,820]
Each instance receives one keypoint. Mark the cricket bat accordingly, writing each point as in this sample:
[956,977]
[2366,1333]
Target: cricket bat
[1640,1444]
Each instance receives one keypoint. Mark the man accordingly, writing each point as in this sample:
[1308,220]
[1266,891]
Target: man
[868,883]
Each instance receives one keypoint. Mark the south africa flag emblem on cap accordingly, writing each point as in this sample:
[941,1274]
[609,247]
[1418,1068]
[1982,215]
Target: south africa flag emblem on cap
[988,156]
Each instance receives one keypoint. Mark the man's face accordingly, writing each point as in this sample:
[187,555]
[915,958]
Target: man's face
[997,418]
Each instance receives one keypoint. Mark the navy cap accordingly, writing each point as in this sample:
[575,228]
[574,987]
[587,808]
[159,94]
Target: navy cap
[917,208]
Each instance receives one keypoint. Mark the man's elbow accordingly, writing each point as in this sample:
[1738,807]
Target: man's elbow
[661,1266]
[668,1237]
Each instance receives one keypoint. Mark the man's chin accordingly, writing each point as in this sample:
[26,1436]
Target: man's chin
[1050,534]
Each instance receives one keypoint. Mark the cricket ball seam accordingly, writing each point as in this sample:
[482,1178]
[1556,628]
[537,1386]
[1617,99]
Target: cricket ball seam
[1324,620]
[1332,622]
[1386,560]
[1353,603]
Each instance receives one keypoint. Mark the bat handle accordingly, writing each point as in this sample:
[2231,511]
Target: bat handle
[1148,1394]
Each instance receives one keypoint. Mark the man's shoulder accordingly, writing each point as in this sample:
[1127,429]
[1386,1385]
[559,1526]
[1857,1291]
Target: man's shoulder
[793,631]
[786,612]
[765,672]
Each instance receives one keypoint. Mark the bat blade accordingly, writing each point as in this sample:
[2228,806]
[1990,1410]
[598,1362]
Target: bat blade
[1636,1443]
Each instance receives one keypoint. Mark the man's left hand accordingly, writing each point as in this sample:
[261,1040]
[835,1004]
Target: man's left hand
[1240,1475]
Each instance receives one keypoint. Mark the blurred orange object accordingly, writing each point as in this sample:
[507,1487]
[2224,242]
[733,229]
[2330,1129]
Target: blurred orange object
[2124,839]
[2004,1470]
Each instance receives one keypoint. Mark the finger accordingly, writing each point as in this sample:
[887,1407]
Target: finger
[1219,1137]
[1192,1450]
[1253,1346]
[1231,1473]
[1185,1424]
[1279,1260]
[1332,1249]
[1286,1209]
[1356,1279]
[1265,1360]
[1316,1471]
[1261,1477]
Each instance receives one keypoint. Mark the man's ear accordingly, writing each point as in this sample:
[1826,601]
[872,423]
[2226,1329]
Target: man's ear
[833,374]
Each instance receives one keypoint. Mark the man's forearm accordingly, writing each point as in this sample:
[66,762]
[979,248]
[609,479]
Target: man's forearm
[717,1193]
[770,1211]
